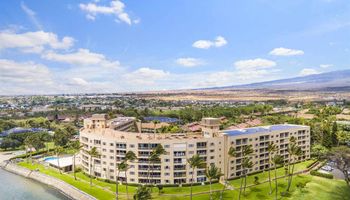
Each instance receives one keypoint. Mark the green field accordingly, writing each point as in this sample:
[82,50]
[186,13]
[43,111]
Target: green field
[316,188]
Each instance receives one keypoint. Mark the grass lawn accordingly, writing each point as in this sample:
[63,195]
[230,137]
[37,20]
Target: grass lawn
[316,188]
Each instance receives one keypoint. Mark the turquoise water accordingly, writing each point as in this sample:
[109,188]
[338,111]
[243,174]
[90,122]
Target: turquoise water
[50,158]
[14,187]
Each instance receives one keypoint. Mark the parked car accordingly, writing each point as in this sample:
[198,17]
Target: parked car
[327,168]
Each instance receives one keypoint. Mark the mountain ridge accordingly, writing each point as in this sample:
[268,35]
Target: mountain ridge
[322,81]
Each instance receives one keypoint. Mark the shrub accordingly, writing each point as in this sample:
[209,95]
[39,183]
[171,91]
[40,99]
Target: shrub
[316,173]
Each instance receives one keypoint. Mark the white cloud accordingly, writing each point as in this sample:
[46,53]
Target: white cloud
[254,68]
[308,71]
[254,64]
[189,62]
[286,52]
[23,77]
[220,41]
[326,66]
[79,81]
[83,57]
[116,7]
[146,76]
[206,44]
[32,16]
[33,42]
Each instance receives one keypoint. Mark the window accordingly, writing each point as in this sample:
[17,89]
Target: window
[132,146]
[190,145]
[111,144]
[166,146]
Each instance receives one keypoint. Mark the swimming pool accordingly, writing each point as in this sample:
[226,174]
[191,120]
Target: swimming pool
[50,159]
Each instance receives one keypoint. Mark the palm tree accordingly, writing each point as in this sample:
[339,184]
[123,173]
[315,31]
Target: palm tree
[277,160]
[212,173]
[58,151]
[75,146]
[93,153]
[154,157]
[195,162]
[231,153]
[292,141]
[294,152]
[155,122]
[129,156]
[121,167]
[272,148]
[246,164]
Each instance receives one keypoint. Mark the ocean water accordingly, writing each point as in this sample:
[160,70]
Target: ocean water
[14,187]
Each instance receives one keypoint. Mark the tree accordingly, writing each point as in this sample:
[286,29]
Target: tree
[121,167]
[195,162]
[33,141]
[129,156]
[319,151]
[93,153]
[232,154]
[341,157]
[294,152]
[142,193]
[334,137]
[271,148]
[60,138]
[246,152]
[154,157]
[212,173]
[8,143]
[58,151]
[343,137]
[75,146]
[277,160]
[155,122]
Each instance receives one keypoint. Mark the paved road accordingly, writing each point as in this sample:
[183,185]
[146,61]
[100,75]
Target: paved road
[9,154]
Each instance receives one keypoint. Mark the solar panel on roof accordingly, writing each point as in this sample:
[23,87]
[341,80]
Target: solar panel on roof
[260,129]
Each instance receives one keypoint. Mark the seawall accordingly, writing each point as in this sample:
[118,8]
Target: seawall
[65,188]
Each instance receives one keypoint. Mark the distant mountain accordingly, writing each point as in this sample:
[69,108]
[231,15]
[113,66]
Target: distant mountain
[335,80]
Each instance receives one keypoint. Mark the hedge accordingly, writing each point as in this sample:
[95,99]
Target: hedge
[311,164]
[316,173]
[33,154]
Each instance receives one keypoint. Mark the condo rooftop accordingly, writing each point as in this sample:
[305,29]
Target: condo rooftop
[261,129]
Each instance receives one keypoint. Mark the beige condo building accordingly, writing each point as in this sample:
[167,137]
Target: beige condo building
[212,145]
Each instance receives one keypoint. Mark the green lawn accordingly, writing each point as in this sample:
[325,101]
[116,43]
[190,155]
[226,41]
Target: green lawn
[317,188]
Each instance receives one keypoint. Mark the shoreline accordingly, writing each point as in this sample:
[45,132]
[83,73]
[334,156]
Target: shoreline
[61,186]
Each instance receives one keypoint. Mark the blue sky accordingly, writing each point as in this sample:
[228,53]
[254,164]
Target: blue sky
[63,46]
